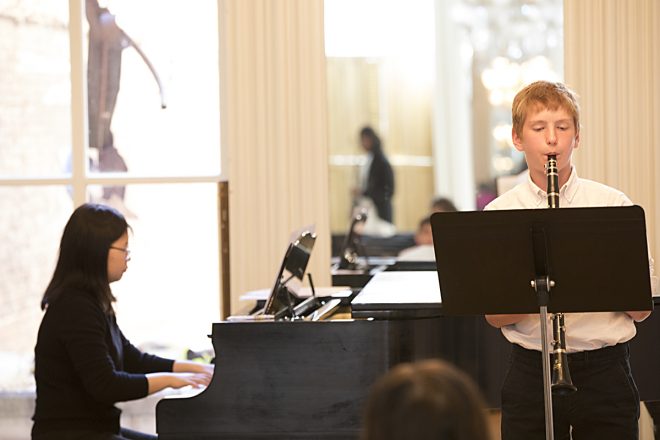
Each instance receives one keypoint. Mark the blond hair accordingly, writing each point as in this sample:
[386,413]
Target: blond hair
[546,94]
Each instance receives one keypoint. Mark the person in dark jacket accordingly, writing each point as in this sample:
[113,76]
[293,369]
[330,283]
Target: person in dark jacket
[83,362]
[378,178]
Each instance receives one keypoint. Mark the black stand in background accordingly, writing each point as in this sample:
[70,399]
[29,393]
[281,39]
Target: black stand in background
[594,259]
[348,258]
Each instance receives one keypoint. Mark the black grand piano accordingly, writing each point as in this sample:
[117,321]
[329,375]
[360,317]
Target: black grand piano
[301,368]
[293,380]
[298,377]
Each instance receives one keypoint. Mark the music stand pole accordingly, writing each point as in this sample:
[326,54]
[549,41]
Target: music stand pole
[542,287]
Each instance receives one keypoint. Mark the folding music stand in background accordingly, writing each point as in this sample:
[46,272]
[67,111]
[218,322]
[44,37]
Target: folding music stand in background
[590,260]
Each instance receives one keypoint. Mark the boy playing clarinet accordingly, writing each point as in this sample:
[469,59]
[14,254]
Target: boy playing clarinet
[546,122]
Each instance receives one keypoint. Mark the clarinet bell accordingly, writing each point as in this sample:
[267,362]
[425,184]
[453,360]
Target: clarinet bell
[562,385]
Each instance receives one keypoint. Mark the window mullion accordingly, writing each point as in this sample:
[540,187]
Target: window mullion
[78,104]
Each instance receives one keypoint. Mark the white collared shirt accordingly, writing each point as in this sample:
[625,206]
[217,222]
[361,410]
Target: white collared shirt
[584,331]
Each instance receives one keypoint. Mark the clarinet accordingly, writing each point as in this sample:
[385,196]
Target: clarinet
[561,376]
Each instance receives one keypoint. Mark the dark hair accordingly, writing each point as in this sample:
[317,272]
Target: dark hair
[83,257]
[370,133]
[443,204]
[428,400]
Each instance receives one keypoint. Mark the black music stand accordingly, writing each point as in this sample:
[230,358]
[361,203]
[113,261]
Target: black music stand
[540,260]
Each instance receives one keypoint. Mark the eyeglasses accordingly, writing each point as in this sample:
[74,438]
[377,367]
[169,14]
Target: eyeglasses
[126,250]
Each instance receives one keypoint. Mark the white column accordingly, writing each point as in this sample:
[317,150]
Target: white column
[452,140]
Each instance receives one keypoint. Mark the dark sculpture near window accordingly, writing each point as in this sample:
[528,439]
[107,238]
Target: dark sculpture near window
[106,43]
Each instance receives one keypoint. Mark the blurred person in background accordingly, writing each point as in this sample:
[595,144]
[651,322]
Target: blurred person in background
[375,184]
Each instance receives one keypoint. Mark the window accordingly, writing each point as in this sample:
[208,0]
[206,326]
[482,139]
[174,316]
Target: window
[159,166]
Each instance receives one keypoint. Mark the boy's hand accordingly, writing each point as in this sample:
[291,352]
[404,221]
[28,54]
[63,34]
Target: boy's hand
[498,321]
[639,316]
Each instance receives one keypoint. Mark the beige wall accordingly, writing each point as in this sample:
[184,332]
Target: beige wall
[612,59]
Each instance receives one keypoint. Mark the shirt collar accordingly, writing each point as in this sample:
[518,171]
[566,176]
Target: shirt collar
[568,191]
[571,187]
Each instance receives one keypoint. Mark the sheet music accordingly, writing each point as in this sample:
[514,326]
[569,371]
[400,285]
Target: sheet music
[401,287]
